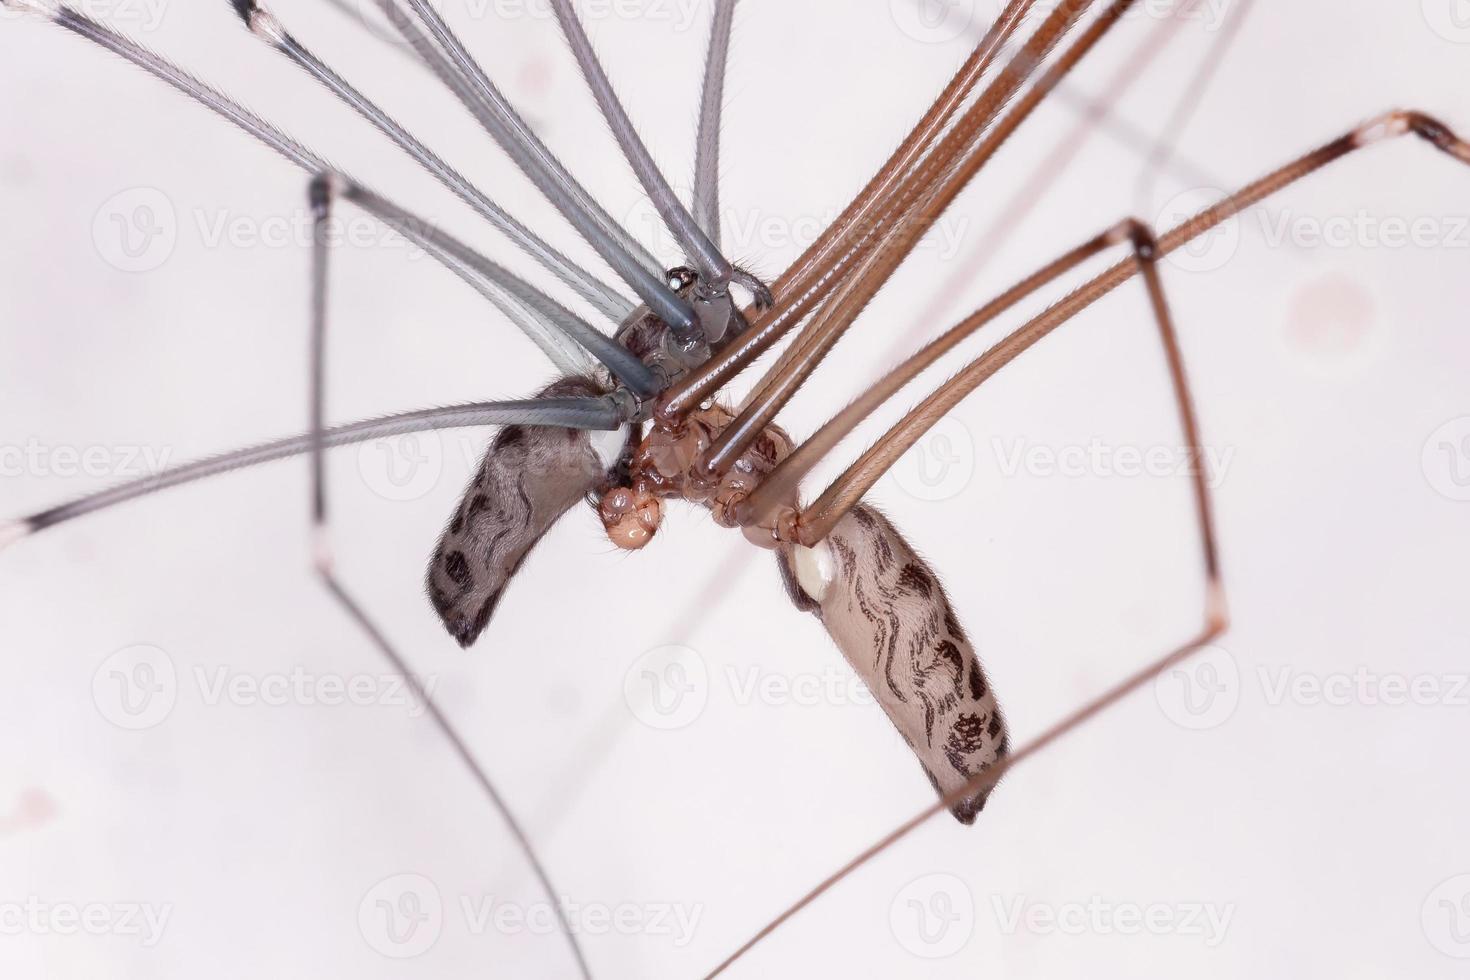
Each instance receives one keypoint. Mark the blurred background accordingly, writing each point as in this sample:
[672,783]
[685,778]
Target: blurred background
[206,770]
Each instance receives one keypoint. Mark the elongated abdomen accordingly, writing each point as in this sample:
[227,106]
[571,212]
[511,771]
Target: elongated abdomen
[887,612]
[529,478]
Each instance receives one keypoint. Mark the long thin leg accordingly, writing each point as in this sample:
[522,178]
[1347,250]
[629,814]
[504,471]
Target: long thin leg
[711,109]
[323,190]
[783,481]
[467,80]
[853,296]
[714,269]
[1163,149]
[794,289]
[1096,115]
[1146,255]
[1216,626]
[266,26]
[624,365]
[819,518]
[532,311]
[603,414]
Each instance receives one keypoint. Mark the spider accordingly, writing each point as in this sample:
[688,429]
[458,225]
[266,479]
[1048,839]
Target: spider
[637,419]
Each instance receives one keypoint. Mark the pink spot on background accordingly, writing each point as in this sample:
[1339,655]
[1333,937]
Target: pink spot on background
[35,808]
[1330,318]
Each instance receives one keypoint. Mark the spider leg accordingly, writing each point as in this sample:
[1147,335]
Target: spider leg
[459,71]
[715,271]
[816,271]
[597,414]
[544,321]
[989,755]
[264,25]
[844,492]
[711,108]
[1147,251]
[899,239]
[323,189]
[781,484]
[623,364]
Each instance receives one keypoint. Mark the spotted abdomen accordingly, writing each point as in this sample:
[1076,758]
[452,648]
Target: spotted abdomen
[530,477]
[888,613]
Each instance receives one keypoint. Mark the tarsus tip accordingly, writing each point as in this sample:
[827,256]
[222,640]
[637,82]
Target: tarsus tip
[321,552]
[47,7]
[12,531]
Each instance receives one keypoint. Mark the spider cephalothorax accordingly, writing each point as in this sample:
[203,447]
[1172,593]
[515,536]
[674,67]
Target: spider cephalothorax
[669,465]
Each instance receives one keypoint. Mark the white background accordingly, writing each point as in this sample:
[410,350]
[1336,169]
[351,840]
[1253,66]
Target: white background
[1331,835]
